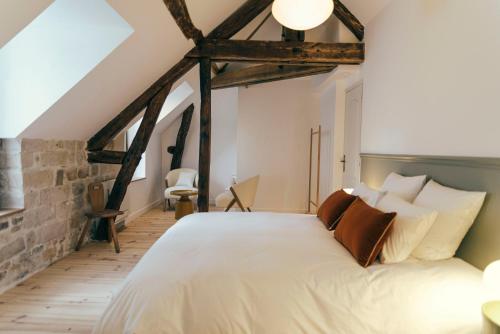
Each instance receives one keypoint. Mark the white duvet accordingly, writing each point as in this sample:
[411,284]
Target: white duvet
[284,273]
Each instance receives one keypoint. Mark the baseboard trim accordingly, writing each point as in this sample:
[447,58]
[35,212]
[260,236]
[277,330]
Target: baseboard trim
[133,215]
[31,274]
[16,283]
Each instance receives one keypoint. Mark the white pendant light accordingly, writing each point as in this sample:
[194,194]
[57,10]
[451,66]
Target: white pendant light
[302,14]
[491,281]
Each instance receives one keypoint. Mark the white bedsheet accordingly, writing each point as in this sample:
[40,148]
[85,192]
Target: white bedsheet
[284,273]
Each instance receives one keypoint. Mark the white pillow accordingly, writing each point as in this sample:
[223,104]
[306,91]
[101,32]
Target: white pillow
[367,194]
[457,210]
[185,179]
[406,187]
[409,229]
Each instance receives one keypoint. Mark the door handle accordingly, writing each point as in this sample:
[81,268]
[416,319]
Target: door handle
[343,161]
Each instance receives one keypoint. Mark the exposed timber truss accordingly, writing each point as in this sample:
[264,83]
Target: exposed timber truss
[286,59]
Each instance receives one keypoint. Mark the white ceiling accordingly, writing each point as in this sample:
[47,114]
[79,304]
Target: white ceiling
[16,14]
[155,46]
[150,51]
[365,10]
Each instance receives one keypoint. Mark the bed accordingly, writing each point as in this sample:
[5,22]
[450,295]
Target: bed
[284,273]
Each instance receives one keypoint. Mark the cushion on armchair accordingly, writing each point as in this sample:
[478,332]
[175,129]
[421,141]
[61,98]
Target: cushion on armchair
[186,179]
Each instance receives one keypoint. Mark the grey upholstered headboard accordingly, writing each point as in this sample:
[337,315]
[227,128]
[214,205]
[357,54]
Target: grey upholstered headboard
[481,246]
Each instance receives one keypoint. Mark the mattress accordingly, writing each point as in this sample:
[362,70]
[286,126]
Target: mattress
[284,273]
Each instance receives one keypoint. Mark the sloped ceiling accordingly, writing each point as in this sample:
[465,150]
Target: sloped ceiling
[155,46]
[365,10]
[152,49]
[16,14]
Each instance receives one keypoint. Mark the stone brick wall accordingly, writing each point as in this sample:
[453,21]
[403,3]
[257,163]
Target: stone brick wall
[55,176]
[11,179]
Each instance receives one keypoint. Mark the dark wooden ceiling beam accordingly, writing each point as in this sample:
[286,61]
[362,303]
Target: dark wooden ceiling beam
[239,19]
[250,36]
[106,157]
[290,35]
[177,151]
[349,20]
[265,73]
[133,156]
[205,135]
[267,52]
[119,122]
[180,13]
[234,23]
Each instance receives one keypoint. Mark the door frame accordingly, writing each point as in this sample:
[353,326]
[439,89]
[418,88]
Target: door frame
[351,88]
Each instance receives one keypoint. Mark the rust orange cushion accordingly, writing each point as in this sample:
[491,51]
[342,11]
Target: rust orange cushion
[333,207]
[363,231]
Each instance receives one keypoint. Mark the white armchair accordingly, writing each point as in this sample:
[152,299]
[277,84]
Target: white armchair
[242,194]
[180,179]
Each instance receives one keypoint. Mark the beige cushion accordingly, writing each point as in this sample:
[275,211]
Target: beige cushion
[223,200]
[245,191]
[173,176]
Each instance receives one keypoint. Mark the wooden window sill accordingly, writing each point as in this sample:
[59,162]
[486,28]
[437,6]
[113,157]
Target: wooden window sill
[136,179]
[9,212]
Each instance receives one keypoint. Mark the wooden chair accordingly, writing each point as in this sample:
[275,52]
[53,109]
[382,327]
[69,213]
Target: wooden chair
[96,195]
[242,194]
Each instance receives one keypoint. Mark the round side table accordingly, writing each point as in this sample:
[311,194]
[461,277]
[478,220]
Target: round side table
[184,205]
[491,315]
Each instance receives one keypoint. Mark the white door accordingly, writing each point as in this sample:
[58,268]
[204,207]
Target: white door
[352,138]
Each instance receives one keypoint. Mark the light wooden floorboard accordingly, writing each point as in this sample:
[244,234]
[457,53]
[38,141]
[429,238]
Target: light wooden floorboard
[71,295]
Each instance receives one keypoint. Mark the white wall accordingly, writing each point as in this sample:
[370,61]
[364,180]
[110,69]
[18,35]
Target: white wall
[224,116]
[224,130]
[260,130]
[326,108]
[330,94]
[143,194]
[273,140]
[431,79]
[332,119]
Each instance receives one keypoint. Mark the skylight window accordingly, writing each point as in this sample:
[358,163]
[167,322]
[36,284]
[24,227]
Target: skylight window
[51,55]
[175,98]
[140,171]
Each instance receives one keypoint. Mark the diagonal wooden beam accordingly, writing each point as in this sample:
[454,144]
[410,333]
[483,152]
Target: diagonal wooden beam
[180,13]
[349,20]
[117,124]
[178,149]
[133,156]
[254,31]
[234,23]
[106,157]
[265,73]
[280,52]
[290,35]
[239,19]
[215,68]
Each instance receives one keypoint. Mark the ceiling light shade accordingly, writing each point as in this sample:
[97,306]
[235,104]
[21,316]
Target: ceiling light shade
[302,14]
[491,281]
